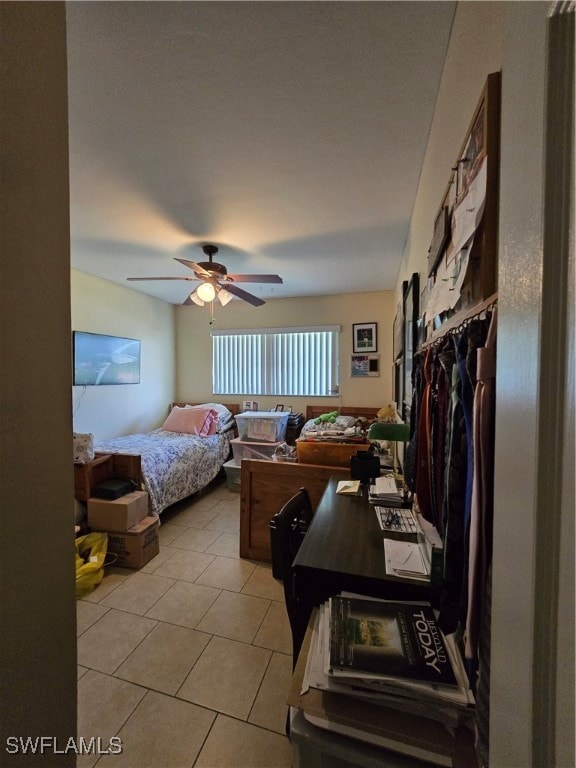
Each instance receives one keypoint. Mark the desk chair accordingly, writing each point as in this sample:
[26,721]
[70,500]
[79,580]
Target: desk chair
[287,530]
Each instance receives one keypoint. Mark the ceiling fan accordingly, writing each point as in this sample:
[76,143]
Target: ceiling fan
[216,282]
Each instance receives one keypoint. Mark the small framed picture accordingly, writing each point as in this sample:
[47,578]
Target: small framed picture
[365,339]
[362,366]
[474,152]
[279,408]
[411,296]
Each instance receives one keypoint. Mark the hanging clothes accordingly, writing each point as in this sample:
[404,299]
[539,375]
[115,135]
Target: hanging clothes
[410,454]
[467,398]
[440,397]
[423,478]
[467,344]
[482,507]
[483,686]
[443,470]
[451,609]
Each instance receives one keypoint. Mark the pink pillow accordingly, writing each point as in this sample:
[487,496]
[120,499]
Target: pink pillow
[213,428]
[192,421]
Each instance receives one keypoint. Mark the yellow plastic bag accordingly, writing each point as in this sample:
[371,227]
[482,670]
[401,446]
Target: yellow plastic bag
[90,556]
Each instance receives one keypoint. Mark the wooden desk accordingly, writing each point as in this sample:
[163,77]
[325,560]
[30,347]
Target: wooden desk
[344,550]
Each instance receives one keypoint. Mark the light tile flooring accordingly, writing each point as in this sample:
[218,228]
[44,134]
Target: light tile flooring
[188,660]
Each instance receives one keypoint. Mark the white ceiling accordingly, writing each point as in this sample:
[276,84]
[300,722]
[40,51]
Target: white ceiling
[290,134]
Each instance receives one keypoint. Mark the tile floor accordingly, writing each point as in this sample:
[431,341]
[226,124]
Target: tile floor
[188,660]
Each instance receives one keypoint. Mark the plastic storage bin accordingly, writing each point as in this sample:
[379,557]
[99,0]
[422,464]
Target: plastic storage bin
[232,469]
[316,746]
[262,426]
[243,449]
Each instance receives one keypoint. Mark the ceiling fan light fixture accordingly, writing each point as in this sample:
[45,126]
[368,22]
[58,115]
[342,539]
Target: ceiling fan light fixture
[196,299]
[206,292]
[224,296]
[213,277]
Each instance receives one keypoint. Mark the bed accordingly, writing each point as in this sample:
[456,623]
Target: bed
[314,411]
[184,455]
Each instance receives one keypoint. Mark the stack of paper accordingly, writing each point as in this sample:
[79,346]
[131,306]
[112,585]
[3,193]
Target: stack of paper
[385,492]
[406,559]
[380,719]
[389,653]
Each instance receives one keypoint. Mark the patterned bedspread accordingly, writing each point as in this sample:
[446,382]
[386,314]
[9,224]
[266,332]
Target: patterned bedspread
[174,465]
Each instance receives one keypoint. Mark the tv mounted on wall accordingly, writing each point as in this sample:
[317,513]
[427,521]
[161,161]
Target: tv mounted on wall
[100,359]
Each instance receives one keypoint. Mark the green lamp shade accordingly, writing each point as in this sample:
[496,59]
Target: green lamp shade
[393,431]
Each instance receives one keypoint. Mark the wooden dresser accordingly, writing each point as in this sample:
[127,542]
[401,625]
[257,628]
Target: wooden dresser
[265,486]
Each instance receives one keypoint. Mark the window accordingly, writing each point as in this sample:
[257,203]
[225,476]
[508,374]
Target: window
[276,361]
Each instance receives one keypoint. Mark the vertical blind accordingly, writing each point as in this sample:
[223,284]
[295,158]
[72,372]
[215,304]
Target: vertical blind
[276,361]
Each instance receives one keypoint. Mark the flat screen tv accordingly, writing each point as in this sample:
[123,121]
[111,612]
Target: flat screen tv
[100,359]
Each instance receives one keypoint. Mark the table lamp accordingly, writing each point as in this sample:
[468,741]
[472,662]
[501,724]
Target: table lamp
[393,432]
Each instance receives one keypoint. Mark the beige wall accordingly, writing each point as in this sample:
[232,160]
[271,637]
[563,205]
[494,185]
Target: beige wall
[511,37]
[37,580]
[533,600]
[194,343]
[99,306]
[38,649]
[475,50]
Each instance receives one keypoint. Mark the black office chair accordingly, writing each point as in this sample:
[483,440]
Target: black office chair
[287,530]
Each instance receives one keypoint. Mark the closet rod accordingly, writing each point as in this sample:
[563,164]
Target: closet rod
[456,320]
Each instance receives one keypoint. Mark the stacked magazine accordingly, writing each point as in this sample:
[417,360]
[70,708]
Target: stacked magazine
[389,653]
[385,492]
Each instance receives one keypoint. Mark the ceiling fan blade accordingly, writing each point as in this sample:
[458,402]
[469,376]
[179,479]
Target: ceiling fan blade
[256,278]
[194,279]
[242,294]
[193,266]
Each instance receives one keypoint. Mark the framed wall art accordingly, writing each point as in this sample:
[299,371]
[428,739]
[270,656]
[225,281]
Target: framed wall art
[100,359]
[362,366]
[473,154]
[410,305]
[440,237]
[398,334]
[364,337]
[397,373]
[481,150]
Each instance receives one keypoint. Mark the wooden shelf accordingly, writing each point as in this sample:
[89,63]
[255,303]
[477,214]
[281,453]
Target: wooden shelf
[459,318]
[102,467]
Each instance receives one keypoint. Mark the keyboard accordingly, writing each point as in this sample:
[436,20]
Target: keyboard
[395,520]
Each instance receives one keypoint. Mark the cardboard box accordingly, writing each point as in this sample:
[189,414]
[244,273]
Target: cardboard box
[117,514]
[137,546]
